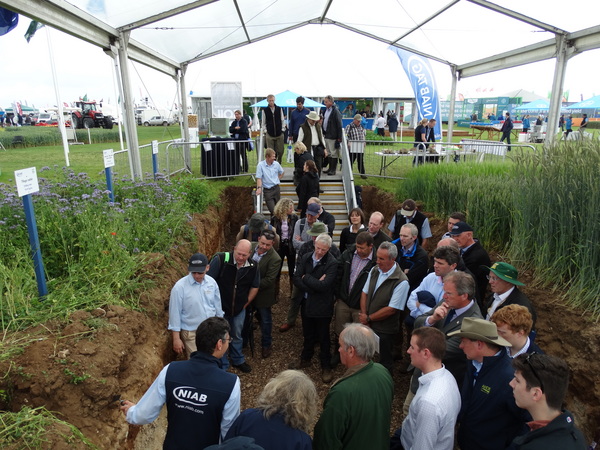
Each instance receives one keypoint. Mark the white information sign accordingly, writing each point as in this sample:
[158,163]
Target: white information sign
[226,97]
[109,158]
[155,147]
[27,181]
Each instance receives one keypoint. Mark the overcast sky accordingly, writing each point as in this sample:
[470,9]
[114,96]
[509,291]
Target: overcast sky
[364,66]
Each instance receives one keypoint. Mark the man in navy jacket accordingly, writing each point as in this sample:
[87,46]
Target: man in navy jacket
[489,417]
[202,399]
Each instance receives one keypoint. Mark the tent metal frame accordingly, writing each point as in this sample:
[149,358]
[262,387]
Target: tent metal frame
[116,42]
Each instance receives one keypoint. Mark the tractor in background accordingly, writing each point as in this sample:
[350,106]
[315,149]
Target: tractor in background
[87,115]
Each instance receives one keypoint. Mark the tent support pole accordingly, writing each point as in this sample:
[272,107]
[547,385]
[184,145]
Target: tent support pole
[130,126]
[557,88]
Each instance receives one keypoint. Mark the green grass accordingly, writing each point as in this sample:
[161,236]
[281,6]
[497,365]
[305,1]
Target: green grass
[33,427]
[85,158]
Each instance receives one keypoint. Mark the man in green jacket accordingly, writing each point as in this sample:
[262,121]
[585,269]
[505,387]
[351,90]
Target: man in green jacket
[357,411]
[269,261]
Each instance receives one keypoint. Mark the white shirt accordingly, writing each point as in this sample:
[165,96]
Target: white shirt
[498,300]
[432,413]
[431,283]
[314,135]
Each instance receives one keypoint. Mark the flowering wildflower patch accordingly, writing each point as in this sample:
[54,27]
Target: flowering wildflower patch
[92,249]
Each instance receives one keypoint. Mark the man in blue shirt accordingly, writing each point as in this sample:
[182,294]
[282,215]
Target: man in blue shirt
[202,399]
[297,119]
[194,298]
[268,177]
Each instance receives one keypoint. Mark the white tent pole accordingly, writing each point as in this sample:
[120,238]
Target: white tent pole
[130,126]
[118,94]
[452,106]
[187,157]
[61,119]
[557,88]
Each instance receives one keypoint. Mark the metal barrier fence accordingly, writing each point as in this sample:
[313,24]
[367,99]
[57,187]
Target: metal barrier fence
[392,159]
[208,159]
[213,158]
[122,165]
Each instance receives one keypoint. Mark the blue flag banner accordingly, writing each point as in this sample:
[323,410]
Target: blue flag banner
[421,79]
[8,21]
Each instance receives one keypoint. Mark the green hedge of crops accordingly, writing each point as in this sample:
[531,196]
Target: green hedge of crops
[593,125]
[45,136]
[541,210]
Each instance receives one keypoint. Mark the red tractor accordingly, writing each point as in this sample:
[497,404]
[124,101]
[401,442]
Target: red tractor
[88,116]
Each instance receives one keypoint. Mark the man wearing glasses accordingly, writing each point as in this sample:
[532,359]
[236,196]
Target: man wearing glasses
[202,399]
[539,386]
[505,288]
[194,298]
[489,417]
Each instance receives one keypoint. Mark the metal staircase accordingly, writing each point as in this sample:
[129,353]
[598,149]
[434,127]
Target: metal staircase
[333,200]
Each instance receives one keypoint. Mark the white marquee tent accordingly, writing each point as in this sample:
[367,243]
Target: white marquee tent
[170,35]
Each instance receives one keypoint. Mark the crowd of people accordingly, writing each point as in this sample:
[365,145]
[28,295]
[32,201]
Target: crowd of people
[479,380]
[479,377]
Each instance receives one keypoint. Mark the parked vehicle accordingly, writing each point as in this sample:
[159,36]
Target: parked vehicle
[47,119]
[87,115]
[159,120]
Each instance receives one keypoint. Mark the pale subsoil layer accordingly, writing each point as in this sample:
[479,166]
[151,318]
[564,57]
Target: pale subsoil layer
[114,353]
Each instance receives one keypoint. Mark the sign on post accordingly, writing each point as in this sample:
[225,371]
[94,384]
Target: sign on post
[27,181]
[155,158]
[109,161]
[27,184]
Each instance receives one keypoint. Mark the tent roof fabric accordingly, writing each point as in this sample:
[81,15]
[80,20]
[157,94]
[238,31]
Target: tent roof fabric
[590,103]
[287,99]
[185,31]
[542,105]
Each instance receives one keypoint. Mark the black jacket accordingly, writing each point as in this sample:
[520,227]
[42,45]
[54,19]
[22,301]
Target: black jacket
[334,124]
[328,219]
[474,258]
[307,188]
[234,284]
[560,433]
[242,132]
[516,297]
[351,297]
[319,302]
[417,264]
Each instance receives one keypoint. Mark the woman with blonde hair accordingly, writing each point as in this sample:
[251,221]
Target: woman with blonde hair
[301,155]
[284,220]
[284,414]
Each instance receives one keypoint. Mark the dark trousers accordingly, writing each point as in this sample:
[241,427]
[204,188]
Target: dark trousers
[272,196]
[319,164]
[386,347]
[506,135]
[287,250]
[316,329]
[361,161]
[243,148]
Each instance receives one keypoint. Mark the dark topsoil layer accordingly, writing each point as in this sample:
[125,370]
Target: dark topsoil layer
[123,354]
